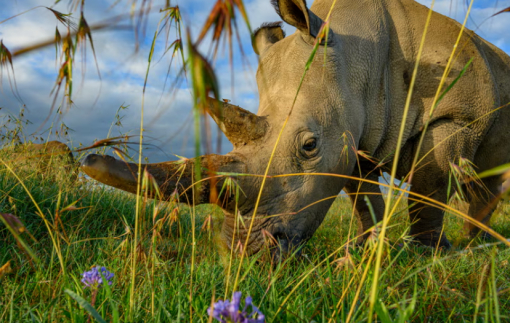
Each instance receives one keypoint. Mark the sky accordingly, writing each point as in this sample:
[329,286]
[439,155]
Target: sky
[167,113]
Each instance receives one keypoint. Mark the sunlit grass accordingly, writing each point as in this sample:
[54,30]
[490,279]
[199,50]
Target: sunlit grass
[98,231]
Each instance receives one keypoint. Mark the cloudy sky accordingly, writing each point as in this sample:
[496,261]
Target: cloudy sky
[167,114]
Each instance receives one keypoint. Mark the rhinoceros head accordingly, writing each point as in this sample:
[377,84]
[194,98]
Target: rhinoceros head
[315,135]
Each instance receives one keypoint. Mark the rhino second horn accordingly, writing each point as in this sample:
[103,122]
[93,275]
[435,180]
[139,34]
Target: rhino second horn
[239,125]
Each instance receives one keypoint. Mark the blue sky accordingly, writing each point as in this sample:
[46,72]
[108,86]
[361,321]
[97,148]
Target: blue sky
[167,115]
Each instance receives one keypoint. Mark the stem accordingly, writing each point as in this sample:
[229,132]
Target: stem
[93,301]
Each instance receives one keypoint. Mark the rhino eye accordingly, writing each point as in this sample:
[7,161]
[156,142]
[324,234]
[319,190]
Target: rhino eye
[310,145]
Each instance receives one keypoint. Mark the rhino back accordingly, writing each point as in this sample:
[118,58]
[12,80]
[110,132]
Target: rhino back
[500,66]
[474,101]
[384,37]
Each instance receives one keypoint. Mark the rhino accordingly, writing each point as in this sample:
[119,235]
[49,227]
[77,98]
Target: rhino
[351,100]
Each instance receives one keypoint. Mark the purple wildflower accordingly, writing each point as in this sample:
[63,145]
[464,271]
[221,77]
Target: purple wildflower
[228,311]
[93,278]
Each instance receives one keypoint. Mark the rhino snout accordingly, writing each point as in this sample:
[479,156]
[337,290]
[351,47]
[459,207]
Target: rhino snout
[273,236]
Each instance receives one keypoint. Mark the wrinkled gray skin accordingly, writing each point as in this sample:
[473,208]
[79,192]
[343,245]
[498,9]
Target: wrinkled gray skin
[355,98]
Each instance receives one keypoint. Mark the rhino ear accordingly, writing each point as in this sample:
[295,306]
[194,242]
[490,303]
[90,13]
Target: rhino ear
[296,13]
[265,36]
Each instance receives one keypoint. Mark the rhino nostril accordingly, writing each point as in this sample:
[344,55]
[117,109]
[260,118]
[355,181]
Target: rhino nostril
[280,236]
[282,244]
[286,247]
[287,244]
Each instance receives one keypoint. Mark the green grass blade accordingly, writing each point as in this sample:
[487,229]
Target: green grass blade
[495,171]
[20,240]
[114,306]
[86,305]
[382,312]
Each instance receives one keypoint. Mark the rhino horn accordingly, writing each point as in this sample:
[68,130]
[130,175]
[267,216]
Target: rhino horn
[296,13]
[239,125]
[171,177]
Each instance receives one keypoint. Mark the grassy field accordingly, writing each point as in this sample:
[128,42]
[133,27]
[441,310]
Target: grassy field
[82,226]
[168,261]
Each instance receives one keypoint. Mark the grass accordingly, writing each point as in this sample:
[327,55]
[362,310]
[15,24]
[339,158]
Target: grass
[171,265]
[443,286]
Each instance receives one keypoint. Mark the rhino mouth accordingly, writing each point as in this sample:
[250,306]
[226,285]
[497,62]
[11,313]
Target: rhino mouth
[287,246]
[235,231]
[279,244]
[266,233]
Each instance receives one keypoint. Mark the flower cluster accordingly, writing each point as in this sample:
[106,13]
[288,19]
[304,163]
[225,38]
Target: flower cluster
[228,311]
[93,278]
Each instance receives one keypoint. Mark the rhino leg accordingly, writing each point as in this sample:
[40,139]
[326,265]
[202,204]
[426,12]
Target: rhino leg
[482,203]
[447,142]
[493,151]
[427,222]
[361,209]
